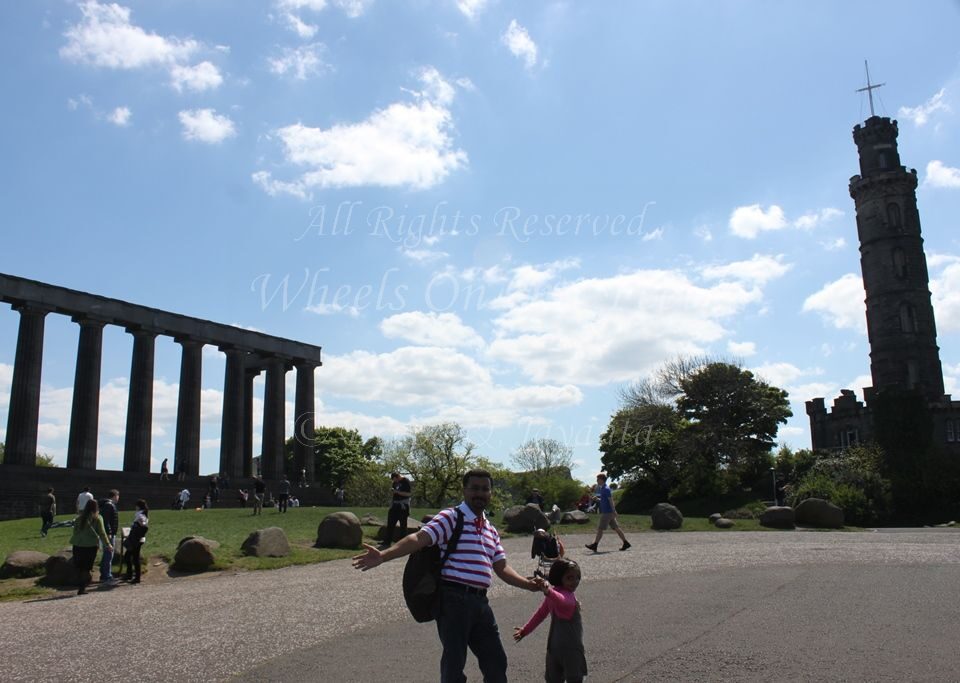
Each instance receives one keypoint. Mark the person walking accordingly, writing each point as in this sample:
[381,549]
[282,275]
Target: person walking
[566,661]
[399,507]
[608,515]
[183,498]
[464,618]
[48,510]
[259,489]
[283,495]
[88,534]
[82,500]
[134,541]
[164,472]
[111,524]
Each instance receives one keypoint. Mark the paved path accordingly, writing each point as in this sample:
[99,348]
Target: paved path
[677,607]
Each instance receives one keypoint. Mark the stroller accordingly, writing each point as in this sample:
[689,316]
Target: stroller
[547,547]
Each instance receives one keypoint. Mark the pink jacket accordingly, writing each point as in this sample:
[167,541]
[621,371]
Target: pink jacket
[558,602]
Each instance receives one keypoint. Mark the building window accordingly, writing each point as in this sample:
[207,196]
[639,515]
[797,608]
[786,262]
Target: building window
[908,321]
[849,437]
[899,263]
[893,215]
[951,434]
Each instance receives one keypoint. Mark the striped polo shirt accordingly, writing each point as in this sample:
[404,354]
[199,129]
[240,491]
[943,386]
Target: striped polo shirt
[477,550]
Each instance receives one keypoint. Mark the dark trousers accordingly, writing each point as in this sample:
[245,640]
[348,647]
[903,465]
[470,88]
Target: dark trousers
[396,515]
[132,559]
[466,620]
[282,500]
[47,518]
[83,559]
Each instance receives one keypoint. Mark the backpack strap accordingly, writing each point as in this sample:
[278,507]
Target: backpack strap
[452,544]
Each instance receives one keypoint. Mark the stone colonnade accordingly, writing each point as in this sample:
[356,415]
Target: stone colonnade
[248,354]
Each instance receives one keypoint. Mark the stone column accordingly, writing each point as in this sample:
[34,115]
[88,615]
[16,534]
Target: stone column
[136,449]
[272,462]
[251,374]
[85,414]
[303,423]
[231,430]
[186,452]
[23,417]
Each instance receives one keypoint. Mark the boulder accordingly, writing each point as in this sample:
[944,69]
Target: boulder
[714,517]
[525,519]
[665,516]
[371,520]
[195,554]
[819,513]
[575,517]
[269,542]
[210,542]
[21,564]
[413,526]
[339,530]
[723,523]
[778,517]
[60,571]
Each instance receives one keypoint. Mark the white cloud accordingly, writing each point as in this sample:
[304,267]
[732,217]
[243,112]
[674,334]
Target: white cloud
[472,8]
[808,221]
[403,145]
[81,100]
[742,349]
[778,374]
[834,245]
[921,113]
[205,125]
[945,294]
[290,12]
[120,116]
[430,329]
[652,235]
[750,221]
[106,38]
[615,329]
[940,175]
[300,62]
[333,308]
[704,233]
[520,44]
[840,303]
[759,270]
[200,77]
[424,256]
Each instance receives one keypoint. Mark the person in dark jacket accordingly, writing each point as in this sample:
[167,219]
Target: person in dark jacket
[133,542]
[111,524]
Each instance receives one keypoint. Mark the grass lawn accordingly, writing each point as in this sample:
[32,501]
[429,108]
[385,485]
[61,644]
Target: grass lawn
[231,526]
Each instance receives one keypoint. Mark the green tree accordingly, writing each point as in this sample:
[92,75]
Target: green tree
[435,457]
[337,453]
[543,457]
[644,443]
[43,460]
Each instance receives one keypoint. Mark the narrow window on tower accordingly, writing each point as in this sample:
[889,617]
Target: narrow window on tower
[899,263]
[951,435]
[908,321]
[893,216]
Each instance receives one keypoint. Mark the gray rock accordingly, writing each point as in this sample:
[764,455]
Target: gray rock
[778,517]
[213,544]
[194,555]
[339,530]
[724,523]
[60,571]
[371,520]
[819,513]
[413,526]
[665,516]
[714,517]
[21,564]
[575,517]
[269,542]
[525,519]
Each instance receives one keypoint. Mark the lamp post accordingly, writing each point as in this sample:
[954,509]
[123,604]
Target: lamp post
[773,476]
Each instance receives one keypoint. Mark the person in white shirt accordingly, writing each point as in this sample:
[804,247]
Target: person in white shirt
[83,498]
[184,498]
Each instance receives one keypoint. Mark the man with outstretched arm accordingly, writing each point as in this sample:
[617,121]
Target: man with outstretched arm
[464,617]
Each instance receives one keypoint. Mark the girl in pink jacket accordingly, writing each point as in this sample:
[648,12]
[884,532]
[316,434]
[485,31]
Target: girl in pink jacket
[565,657]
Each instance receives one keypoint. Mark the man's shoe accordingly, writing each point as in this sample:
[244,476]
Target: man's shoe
[625,546]
[591,546]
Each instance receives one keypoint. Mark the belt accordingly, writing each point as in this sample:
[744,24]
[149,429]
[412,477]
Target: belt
[464,588]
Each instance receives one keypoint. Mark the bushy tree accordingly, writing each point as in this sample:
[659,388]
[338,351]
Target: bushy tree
[43,460]
[851,480]
[337,453]
[435,457]
[543,457]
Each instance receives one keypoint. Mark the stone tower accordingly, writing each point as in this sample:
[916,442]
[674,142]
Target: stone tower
[900,323]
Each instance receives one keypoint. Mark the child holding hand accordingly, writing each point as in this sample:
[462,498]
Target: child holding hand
[565,657]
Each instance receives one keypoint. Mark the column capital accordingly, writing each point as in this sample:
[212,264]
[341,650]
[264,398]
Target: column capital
[189,341]
[31,308]
[89,321]
[140,331]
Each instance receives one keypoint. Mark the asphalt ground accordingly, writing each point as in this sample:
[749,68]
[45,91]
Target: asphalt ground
[733,606]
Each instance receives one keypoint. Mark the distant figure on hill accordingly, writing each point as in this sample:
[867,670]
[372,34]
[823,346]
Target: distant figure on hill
[164,472]
[84,498]
[399,507]
[283,495]
[184,498]
[259,489]
[48,510]
[536,499]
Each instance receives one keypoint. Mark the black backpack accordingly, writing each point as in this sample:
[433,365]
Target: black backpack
[421,575]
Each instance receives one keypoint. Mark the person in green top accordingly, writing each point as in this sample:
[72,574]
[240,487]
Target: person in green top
[88,531]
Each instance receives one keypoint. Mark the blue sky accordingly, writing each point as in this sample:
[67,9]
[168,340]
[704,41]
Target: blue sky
[489,212]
